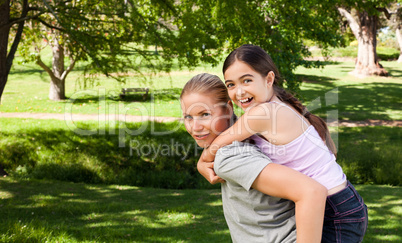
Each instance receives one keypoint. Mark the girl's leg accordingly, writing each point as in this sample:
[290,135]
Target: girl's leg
[346,218]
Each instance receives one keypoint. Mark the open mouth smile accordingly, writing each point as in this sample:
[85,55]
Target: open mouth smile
[246,100]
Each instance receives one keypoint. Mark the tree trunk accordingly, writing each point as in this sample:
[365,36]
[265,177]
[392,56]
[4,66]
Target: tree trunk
[57,84]
[58,73]
[6,60]
[367,62]
[4,32]
[399,38]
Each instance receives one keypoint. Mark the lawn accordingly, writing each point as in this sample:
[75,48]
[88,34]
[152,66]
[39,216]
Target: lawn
[54,211]
[355,99]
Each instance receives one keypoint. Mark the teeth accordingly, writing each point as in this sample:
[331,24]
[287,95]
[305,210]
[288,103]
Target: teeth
[245,100]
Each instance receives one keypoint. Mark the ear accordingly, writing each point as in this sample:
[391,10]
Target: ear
[230,106]
[230,103]
[270,78]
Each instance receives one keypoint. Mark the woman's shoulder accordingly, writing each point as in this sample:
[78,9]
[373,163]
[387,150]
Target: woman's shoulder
[239,151]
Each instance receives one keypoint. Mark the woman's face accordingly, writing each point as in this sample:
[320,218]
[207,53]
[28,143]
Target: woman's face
[246,86]
[204,118]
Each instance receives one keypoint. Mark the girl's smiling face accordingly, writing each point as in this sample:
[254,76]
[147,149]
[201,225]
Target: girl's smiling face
[204,119]
[246,86]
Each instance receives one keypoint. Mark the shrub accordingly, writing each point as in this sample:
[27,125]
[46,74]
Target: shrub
[367,155]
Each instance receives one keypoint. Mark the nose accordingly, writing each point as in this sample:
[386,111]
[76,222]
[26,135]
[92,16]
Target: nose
[240,91]
[197,125]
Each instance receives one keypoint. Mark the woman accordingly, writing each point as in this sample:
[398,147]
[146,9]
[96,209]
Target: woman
[255,192]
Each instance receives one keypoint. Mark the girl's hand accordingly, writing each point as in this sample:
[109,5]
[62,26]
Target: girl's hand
[207,155]
[206,169]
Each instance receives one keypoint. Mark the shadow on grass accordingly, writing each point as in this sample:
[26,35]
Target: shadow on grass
[384,210]
[80,212]
[316,79]
[171,94]
[356,101]
[397,73]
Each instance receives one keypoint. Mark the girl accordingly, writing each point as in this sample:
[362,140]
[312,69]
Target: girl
[252,215]
[292,137]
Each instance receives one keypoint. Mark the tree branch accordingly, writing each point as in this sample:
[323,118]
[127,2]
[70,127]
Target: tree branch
[386,12]
[70,67]
[17,38]
[50,26]
[46,68]
[354,26]
[19,20]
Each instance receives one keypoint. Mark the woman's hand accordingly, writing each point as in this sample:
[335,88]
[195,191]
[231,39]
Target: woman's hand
[206,169]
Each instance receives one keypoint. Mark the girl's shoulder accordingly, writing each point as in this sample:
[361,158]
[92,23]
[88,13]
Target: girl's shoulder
[270,108]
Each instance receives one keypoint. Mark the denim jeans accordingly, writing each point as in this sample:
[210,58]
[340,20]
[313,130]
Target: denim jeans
[346,217]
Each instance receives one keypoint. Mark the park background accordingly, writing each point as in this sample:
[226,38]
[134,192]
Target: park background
[87,165]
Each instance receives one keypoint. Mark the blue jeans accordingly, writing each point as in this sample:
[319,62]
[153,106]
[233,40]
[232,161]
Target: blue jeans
[346,218]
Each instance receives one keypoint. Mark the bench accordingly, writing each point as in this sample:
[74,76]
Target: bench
[125,91]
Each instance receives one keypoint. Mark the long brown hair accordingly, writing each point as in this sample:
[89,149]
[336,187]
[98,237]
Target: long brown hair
[260,61]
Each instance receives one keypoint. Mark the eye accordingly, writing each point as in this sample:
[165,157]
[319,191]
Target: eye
[188,117]
[247,81]
[229,85]
[206,114]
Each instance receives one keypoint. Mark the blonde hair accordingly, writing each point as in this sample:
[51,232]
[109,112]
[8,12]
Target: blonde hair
[208,84]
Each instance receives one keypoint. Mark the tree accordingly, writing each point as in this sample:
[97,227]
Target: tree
[363,18]
[112,36]
[394,16]
[279,27]
[398,31]
[38,37]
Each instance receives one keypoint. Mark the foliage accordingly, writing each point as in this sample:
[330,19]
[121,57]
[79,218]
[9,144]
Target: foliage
[160,155]
[387,38]
[279,27]
[371,154]
[114,35]
[47,149]
[121,32]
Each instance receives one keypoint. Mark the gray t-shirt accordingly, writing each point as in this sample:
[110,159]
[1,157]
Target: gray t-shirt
[251,215]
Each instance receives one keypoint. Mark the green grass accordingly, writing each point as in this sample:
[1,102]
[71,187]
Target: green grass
[358,99]
[384,53]
[28,86]
[355,99]
[53,211]
[371,154]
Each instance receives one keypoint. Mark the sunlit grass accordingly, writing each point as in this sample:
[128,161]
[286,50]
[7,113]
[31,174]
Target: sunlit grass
[359,99]
[385,212]
[356,99]
[39,211]
[71,212]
